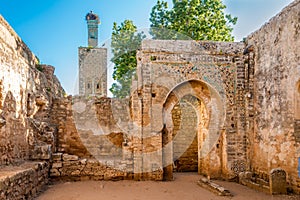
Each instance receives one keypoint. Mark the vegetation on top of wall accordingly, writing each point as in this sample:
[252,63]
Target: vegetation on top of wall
[89,48]
[38,61]
[39,67]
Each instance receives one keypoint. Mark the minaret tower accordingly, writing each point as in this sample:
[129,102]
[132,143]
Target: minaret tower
[92,62]
[92,24]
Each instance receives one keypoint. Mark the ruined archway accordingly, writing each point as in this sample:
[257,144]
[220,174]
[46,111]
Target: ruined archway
[193,113]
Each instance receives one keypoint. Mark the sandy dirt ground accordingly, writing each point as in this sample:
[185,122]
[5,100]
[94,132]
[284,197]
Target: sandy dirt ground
[184,187]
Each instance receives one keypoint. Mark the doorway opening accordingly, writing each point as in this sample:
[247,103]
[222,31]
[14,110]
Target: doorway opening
[185,132]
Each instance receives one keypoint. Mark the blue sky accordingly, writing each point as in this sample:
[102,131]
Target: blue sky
[54,29]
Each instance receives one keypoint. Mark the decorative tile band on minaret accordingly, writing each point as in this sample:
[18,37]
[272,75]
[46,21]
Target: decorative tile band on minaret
[92,24]
[92,62]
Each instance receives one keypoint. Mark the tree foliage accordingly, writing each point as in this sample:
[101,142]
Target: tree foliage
[197,19]
[125,42]
[187,19]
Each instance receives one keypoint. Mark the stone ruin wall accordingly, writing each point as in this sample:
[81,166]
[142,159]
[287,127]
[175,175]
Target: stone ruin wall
[91,144]
[258,80]
[262,109]
[27,136]
[97,138]
[169,70]
[257,83]
[24,181]
[92,71]
[27,91]
[274,126]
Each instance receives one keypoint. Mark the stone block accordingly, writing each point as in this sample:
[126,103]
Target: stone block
[57,165]
[67,157]
[213,187]
[83,161]
[278,181]
[70,163]
[57,156]
[75,173]
[54,172]
[42,152]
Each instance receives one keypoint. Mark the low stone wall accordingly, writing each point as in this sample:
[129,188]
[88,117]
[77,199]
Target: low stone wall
[71,168]
[23,181]
[66,167]
[274,183]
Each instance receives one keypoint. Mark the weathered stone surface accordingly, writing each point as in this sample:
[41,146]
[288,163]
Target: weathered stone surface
[215,188]
[23,181]
[221,108]
[252,180]
[57,156]
[41,152]
[92,71]
[89,169]
[278,181]
[272,123]
[213,73]
[236,86]
[54,172]
[27,90]
[57,165]
[67,157]
[185,135]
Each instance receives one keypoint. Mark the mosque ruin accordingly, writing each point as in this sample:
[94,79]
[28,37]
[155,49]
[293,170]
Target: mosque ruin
[227,110]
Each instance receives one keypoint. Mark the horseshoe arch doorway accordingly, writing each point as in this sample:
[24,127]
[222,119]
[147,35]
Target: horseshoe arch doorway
[189,131]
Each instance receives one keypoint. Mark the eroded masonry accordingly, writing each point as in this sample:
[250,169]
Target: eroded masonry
[224,109]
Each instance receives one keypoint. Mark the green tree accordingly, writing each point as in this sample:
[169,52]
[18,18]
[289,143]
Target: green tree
[125,42]
[197,19]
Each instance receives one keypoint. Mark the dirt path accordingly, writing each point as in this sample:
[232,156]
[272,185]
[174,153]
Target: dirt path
[183,188]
